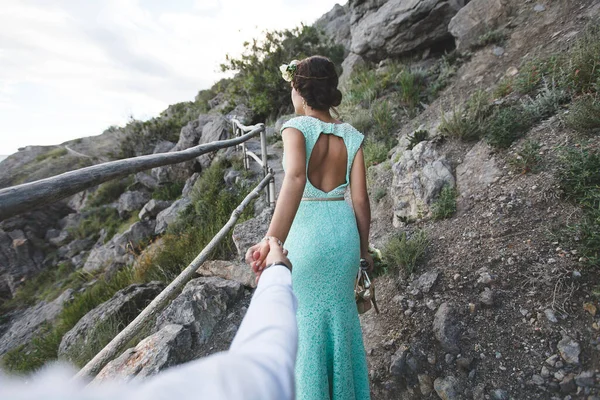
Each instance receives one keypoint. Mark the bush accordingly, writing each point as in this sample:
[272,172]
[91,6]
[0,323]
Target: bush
[584,115]
[95,219]
[170,191]
[496,36]
[258,81]
[417,137]
[363,87]
[384,123]
[582,66]
[374,152]
[412,87]
[109,191]
[506,125]
[466,124]
[504,88]
[445,206]
[527,159]
[580,182]
[545,104]
[406,252]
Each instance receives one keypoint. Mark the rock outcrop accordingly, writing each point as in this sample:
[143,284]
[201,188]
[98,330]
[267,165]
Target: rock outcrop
[475,19]
[118,251]
[121,309]
[24,327]
[205,129]
[336,25]
[386,29]
[168,347]
[419,176]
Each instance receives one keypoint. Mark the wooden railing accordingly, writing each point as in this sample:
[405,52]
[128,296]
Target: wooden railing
[22,198]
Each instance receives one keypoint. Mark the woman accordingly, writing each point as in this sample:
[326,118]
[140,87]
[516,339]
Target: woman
[324,237]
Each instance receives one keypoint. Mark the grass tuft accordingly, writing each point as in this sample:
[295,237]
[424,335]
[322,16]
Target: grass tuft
[584,115]
[405,252]
[527,159]
[445,206]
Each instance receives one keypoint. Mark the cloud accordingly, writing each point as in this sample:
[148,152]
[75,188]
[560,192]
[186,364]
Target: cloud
[71,68]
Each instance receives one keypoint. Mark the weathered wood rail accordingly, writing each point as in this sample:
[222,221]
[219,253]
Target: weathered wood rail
[18,199]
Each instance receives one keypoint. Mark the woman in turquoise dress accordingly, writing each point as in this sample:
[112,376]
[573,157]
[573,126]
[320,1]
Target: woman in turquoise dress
[324,235]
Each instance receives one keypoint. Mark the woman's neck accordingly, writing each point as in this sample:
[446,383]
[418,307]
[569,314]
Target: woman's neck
[324,116]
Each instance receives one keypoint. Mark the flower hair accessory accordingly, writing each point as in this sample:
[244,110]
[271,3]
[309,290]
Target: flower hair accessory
[289,70]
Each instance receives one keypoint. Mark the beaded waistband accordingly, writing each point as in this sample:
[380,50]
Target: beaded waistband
[323,198]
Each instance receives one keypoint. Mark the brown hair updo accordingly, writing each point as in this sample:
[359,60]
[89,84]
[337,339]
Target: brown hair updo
[316,80]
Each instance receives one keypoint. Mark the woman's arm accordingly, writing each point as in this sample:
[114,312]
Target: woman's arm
[289,196]
[360,201]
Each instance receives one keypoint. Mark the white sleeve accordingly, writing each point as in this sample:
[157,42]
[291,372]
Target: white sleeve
[259,364]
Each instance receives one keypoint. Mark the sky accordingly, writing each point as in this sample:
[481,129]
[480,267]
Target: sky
[72,68]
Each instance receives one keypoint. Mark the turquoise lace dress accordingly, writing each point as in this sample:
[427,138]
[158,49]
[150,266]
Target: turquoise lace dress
[324,248]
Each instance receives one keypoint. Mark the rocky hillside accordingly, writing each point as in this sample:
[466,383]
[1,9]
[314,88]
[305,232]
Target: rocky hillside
[482,122]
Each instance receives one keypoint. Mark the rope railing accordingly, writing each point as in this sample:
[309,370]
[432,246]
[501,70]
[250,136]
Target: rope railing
[169,293]
[18,199]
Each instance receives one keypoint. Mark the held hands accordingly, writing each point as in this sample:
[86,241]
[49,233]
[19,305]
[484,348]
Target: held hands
[264,253]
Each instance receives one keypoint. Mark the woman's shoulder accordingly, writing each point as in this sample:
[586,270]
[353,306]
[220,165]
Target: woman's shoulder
[301,122]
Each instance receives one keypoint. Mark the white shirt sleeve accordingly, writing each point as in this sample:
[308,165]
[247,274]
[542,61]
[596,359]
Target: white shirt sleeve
[259,365]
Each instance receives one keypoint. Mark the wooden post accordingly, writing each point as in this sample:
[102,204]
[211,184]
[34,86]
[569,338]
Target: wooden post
[164,298]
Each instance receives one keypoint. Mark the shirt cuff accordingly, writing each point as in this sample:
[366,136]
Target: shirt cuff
[275,275]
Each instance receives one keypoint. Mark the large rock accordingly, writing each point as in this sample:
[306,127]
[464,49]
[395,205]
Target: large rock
[207,128]
[152,208]
[336,25]
[163,146]
[419,176]
[122,308]
[131,201]
[74,248]
[446,328]
[250,232]
[146,180]
[170,214]
[23,245]
[117,252]
[242,113]
[386,29]
[230,270]
[476,173]
[202,304]
[168,347]
[25,326]
[351,63]
[475,19]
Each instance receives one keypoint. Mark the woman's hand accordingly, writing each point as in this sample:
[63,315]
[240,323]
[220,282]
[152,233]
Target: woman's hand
[367,256]
[256,255]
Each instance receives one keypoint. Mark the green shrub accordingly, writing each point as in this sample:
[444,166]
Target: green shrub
[579,175]
[445,206]
[359,118]
[529,77]
[405,252]
[412,87]
[584,115]
[94,220]
[363,87]
[504,88]
[580,181]
[506,125]
[384,122]
[496,36]
[417,137]
[466,123]
[52,154]
[527,158]
[170,191]
[109,191]
[545,104]
[374,152]
[258,81]
[582,65]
